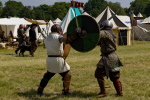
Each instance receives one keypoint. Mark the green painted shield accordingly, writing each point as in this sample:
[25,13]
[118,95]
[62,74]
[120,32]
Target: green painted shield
[90,40]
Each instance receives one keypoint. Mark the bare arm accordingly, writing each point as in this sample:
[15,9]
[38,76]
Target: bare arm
[70,38]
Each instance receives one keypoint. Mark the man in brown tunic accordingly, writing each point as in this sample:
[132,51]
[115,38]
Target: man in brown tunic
[109,64]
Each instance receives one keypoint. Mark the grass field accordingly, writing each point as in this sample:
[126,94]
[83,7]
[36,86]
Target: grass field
[19,76]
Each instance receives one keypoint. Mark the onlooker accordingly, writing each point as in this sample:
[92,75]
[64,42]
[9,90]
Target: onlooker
[2,37]
[10,38]
[33,39]
[21,37]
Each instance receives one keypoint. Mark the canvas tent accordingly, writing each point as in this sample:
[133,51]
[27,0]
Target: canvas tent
[8,24]
[146,20]
[46,29]
[85,13]
[139,15]
[142,30]
[57,21]
[72,12]
[121,29]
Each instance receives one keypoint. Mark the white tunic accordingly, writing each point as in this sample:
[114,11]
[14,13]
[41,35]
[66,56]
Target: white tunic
[54,47]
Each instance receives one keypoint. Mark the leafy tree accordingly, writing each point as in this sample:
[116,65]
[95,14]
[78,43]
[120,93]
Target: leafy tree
[59,10]
[147,10]
[42,12]
[26,12]
[12,8]
[95,7]
[116,7]
[139,6]
[1,6]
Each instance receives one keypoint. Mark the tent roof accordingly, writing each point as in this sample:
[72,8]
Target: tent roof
[106,14]
[139,15]
[134,15]
[125,19]
[57,21]
[85,13]
[146,20]
[13,21]
[51,23]
[72,12]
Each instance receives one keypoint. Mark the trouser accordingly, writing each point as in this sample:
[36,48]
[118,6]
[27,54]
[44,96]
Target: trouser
[34,46]
[114,77]
[66,77]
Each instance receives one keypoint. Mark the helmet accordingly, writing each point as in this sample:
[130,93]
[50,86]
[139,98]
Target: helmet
[56,28]
[107,23]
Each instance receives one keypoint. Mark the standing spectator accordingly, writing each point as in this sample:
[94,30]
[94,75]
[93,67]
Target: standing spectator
[2,37]
[33,39]
[21,37]
[10,37]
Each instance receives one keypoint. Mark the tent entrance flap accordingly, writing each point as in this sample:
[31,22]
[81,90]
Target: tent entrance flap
[122,37]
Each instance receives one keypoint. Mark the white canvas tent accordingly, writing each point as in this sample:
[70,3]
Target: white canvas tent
[7,24]
[57,21]
[12,24]
[121,29]
[72,12]
[146,20]
[85,13]
[46,28]
[140,15]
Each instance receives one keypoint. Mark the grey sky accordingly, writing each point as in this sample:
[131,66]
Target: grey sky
[124,3]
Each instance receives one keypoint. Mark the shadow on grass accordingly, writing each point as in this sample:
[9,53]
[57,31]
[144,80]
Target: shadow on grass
[10,54]
[23,56]
[32,94]
[17,55]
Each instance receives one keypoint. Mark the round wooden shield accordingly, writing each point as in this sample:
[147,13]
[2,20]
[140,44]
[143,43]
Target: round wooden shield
[89,38]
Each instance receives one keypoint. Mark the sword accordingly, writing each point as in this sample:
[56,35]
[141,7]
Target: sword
[114,15]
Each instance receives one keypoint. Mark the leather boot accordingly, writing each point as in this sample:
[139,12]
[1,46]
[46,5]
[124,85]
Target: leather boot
[118,86]
[66,84]
[41,87]
[40,91]
[102,93]
[47,76]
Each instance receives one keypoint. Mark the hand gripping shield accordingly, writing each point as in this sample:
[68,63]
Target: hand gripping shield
[89,37]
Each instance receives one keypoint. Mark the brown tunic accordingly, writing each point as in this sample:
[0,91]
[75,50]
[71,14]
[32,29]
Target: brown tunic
[108,47]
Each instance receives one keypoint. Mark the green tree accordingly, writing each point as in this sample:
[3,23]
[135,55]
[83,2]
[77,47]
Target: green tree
[59,10]
[95,7]
[12,8]
[26,12]
[116,7]
[139,6]
[147,10]
[42,12]
[1,7]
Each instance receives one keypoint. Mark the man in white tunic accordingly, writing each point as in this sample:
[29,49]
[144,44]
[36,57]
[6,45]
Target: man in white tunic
[55,61]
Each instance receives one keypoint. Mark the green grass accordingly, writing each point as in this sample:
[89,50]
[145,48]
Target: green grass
[19,76]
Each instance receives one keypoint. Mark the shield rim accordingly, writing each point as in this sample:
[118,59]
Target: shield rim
[98,34]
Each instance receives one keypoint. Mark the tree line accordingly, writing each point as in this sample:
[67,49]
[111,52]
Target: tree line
[59,9]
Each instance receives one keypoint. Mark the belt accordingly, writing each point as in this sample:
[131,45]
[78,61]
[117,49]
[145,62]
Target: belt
[55,56]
